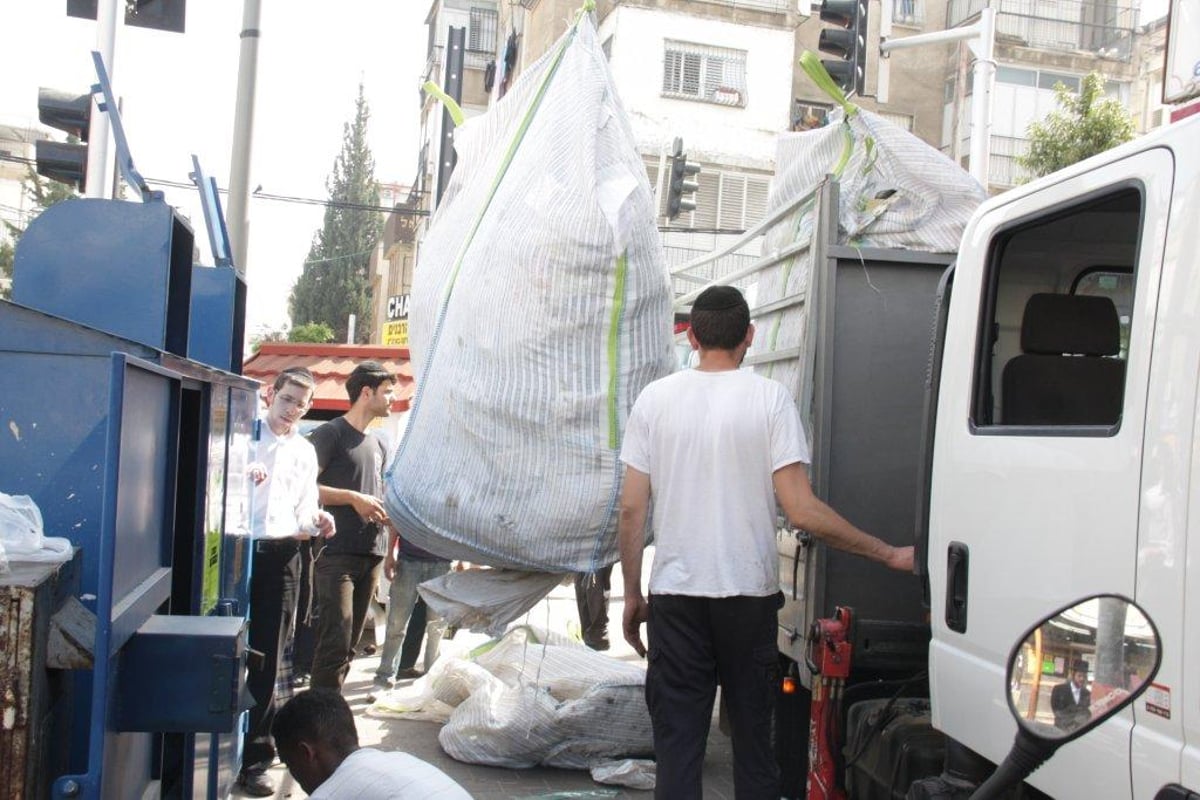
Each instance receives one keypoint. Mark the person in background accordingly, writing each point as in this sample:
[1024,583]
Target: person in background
[591,598]
[413,636]
[284,513]
[717,447]
[1070,700]
[407,566]
[319,745]
[350,478]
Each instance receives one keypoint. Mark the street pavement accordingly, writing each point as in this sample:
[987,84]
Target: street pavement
[557,613]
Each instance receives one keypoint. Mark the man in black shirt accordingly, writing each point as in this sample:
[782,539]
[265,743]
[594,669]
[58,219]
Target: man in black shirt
[350,479]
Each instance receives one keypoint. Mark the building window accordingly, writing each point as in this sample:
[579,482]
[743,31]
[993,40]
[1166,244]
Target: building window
[481,32]
[708,74]
[727,200]
[807,116]
[908,12]
[902,120]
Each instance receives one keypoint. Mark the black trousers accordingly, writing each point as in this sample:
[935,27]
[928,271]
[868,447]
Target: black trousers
[591,599]
[274,584]
[696,643]
[344,585]
[414,634]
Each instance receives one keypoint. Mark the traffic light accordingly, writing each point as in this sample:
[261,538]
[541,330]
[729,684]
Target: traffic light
[64,161]
[682,190]
[848,41]
[163,15]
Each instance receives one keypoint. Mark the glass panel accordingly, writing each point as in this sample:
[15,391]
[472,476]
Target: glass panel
[1019,77]
[1081,666]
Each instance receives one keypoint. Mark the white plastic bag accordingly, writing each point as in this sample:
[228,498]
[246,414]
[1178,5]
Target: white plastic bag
[636,773]
[21,534]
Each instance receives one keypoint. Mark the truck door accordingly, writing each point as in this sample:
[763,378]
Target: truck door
[1034,497]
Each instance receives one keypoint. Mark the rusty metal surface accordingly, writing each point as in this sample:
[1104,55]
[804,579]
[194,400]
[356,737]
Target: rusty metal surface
[28,595]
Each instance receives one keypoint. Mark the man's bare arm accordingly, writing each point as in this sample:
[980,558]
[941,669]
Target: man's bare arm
[368,507]
[631,539]
[807,511]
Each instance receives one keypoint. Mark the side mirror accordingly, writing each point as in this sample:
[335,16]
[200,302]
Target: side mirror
[1069,673]
[1080,666]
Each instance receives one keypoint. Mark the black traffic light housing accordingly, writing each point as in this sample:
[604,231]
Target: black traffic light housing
[847,41]
[682,189]
[163,15]
[64,161]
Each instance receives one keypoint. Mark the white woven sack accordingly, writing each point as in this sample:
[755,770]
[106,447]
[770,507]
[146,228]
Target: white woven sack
[540,309]
[894,191]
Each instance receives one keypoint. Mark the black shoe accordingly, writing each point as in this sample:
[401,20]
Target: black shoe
[256,784]
[597,644]
[408,673]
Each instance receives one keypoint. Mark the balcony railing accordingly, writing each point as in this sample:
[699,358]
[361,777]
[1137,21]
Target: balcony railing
[1104,27]
[776,6]
[1003,170]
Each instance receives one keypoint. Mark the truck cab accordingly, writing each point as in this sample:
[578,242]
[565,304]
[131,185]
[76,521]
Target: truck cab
[1063,441]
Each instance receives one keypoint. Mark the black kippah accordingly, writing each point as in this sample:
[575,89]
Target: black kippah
[718,298]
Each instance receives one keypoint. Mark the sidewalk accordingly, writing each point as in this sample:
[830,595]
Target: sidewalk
[496,783]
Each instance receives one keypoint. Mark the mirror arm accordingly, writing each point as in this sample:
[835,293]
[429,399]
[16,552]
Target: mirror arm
[1027,754]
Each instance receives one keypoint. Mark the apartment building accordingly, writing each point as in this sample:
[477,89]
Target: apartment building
[723,76]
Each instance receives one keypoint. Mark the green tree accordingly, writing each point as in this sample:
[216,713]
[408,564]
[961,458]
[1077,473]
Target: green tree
[44,193]
[335,282]
[315,332]
[1084,124]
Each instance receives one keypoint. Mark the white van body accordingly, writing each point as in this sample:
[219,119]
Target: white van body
[1052,512]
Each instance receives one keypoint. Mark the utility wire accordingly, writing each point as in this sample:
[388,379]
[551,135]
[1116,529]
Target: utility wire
[282,198]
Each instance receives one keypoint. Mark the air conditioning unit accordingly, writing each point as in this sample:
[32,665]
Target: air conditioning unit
[1160,116]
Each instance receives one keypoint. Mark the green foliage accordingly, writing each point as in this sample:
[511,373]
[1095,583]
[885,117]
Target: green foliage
[336,282]
[267,335]
[315,332]
[44,193]
[6,265]
[1083,125]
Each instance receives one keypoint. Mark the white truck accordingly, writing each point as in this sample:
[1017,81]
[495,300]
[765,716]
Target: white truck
[1024,410]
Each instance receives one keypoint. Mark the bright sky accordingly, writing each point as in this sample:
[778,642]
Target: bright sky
[179,91]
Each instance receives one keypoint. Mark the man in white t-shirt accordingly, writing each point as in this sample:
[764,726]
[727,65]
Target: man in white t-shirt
[716,447]
[318,742]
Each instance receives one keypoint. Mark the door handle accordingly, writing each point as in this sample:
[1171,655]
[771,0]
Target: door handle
[957,563]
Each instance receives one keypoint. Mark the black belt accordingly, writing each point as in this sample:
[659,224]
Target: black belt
[285,545]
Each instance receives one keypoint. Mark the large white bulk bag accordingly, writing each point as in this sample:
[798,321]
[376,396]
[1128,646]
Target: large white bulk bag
[540,309]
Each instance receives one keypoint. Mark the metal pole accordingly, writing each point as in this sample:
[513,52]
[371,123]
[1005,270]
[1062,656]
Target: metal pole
[981,98]
[982,39]
[98,171]
[243,135]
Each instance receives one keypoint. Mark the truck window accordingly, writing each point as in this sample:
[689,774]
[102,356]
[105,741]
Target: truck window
[1054,327]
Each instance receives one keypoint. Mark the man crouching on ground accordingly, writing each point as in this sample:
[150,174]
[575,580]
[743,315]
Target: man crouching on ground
[316,738]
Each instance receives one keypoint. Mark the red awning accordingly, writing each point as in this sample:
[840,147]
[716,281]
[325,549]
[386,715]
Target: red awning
[331,364]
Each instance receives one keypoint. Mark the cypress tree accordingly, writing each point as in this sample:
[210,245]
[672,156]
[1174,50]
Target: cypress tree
[335,281]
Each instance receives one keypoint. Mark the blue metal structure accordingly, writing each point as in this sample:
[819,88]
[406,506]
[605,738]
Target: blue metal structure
[126,423]
[218,309]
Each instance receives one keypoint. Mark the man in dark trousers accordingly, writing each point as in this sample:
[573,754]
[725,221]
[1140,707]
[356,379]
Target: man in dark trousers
[351,484]
[717,447]
[1070,700]
[283,513]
